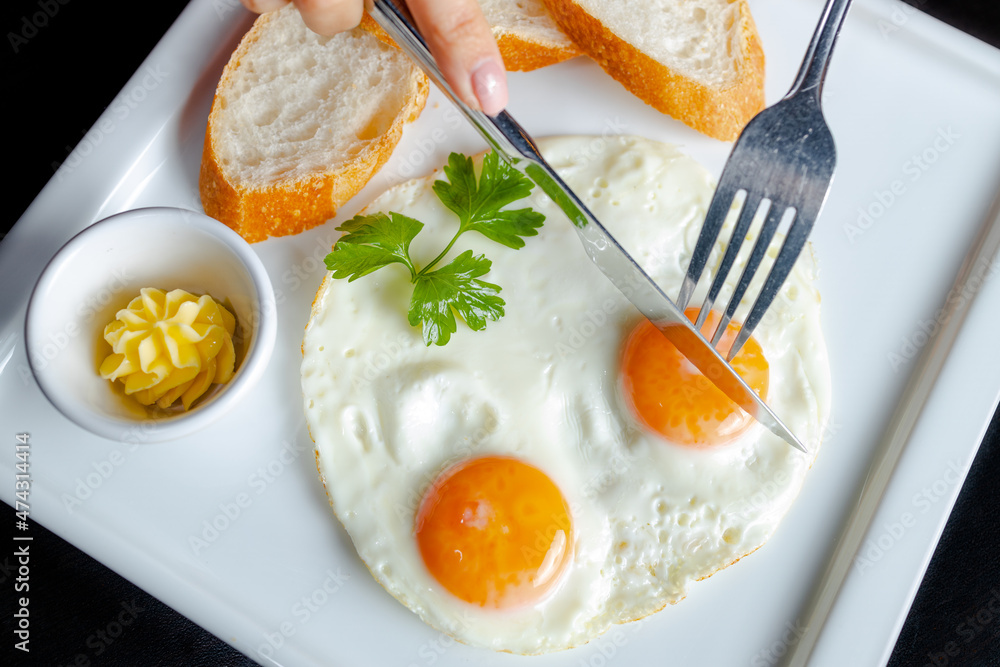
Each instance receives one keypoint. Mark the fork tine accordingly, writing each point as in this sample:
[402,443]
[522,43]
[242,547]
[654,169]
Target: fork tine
[718,209]
[750,206]
[790,250]
[767,230]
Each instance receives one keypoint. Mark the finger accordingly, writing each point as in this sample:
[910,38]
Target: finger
[463,45]
[263,6]
[328,17]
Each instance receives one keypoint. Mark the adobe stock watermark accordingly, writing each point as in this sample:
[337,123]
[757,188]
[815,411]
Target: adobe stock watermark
[120,108]
[559,527]
[762,499]
[912,170]
[32,24]
[605,649]
[619,464]
[407,509]
[304,271]
[551,542]
[875,549]
[601,652]
[230,511]
[85,486]
[103,637]
[773,653]
[593,149]
[102,470]
[587,327]
[986,619]
[898,17]
[410,161]
[926,329]
[86,312]
[224,8]
[377,362]
[431,650]
[302,611]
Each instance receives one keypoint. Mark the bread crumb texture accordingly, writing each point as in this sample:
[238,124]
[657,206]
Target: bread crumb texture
[300,123]
[526,35]
[699,61]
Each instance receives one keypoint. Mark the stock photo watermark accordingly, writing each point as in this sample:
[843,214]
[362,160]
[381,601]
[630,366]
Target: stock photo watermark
[377,362]
[613,127]
[32,24]
[305,270]
[587,327]
[230,511]
[100,471]
[926,329]
[302,611]
[773,653]
[883,199]
[101,639]
[600,652]
[620,463]
[777,484]
[151,76]
[981,623]
[892,532]
[433,649]
[607,647]
[22,542]
[418,158]
[85,486]
[86,312]
[407,509]
[224,8]
[898,17]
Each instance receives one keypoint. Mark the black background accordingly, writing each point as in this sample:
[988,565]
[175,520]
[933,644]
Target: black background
[56,84]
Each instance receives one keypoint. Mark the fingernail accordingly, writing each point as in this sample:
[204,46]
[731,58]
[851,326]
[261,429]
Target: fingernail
[489,83]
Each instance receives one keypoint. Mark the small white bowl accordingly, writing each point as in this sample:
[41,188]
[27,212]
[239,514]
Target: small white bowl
[99,271]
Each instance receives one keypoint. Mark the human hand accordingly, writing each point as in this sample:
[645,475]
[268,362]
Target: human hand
[456,32]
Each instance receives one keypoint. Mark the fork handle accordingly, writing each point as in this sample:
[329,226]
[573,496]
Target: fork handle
[813,68]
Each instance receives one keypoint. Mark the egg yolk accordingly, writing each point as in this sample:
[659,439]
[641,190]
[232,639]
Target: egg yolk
[672,397]
[494,531]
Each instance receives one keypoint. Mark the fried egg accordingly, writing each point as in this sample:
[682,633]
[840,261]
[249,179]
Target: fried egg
[527,486]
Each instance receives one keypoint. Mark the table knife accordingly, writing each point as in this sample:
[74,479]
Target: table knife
[513,144]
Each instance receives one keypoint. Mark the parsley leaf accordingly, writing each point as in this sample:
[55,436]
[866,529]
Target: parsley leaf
[478,206]
[371,242]
[455,286]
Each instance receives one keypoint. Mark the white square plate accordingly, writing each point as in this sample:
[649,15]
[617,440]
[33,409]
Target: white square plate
[231,527]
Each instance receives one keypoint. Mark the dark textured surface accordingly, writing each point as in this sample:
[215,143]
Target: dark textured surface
[955,617]
[56,85]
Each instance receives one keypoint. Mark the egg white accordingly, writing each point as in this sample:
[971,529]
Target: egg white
[388,414]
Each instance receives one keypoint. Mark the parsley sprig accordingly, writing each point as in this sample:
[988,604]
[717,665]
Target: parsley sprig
[371,242]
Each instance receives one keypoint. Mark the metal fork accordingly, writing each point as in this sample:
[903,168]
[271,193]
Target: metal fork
[783,161]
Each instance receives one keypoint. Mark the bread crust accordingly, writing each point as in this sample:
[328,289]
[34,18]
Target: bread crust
[292,205]
[523,55]
[717,112]
[519,53]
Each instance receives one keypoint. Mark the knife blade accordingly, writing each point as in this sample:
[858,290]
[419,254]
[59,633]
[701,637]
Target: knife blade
[512,143]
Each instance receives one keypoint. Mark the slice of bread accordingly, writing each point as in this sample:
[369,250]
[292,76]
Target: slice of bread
[527,36]
[699,61]
[300,123]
